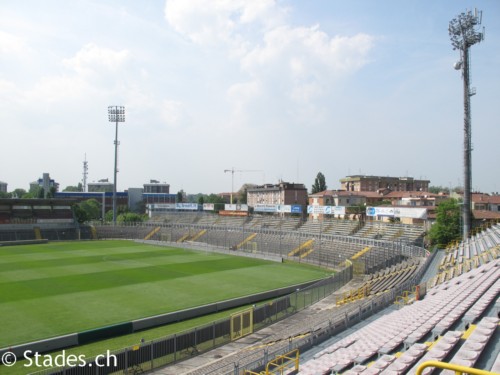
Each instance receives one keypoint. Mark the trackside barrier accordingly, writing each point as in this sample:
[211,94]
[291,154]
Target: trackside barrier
[161,352]
[106,332]
[382,254]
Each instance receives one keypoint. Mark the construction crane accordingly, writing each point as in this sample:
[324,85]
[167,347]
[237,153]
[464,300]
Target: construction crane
[232,170]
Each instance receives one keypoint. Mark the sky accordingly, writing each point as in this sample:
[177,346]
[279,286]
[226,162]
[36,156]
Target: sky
[272,90]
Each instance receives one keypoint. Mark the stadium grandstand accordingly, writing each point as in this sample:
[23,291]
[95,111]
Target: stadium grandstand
[396,307]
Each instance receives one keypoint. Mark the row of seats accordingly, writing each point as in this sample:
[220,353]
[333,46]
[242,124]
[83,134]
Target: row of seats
[374,230]
[480,249]
[475,247]
[404,331]
[328,250]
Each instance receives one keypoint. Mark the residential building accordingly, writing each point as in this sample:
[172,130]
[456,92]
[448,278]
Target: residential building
[485,202]
[283,193]
[101,186]
[380,183]
[415,198]
[338,198]
[3,187]
[155,187]
[46,183]
[157,192]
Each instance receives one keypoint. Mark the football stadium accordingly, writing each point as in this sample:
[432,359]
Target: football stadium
[278,294]
[383,276]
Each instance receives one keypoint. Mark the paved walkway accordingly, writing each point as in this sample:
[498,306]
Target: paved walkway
[274,337]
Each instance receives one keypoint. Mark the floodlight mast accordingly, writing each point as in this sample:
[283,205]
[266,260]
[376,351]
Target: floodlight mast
[116,114]
[463,35]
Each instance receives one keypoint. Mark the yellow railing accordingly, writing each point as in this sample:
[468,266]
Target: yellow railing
[353,295]
[249,238]
[183,238]
[450,366]
[361,252]
[283,363]
[306,245]
[199,234]
[152,233]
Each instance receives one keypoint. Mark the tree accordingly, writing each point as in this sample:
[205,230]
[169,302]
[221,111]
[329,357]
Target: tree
[217,200]
[18,193]
[439,189]
[242,193]
[87,210]
[447,226]
[5,195]
[130,217]
[319,184]
[180,196]
[74,188]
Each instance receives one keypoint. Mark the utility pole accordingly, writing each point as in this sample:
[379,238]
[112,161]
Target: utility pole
[232,170]
[463,35]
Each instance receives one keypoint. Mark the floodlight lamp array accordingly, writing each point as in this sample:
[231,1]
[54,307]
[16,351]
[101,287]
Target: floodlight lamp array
[116,113]
[462,30]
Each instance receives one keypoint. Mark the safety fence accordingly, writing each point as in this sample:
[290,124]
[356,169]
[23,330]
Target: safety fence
[325,250]
[158,353]
[161,352]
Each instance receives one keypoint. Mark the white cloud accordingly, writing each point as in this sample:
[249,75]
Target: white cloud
[220,20]
[92,59]
[287,64]
[174,114]
[12,46]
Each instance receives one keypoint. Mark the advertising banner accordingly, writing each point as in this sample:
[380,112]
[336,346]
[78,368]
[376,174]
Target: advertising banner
[411,212]
[284,208]
[326,210]
[265,208]
[379,211]
[186,206]
[208,206]
[235,207]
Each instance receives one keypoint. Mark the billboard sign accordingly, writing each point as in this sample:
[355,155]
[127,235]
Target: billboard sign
[186,206]
[411,212]
[326,210]
[236,207]
[265,208]
[379,211]
[284,208]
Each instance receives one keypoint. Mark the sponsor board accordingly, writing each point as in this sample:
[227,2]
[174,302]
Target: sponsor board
[236,207]
[265,208]
[233,213]
[208,206]
[326,210]
[186,206]
[406,212]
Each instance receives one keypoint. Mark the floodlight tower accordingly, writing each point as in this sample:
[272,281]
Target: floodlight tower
[464,34]
[116,114]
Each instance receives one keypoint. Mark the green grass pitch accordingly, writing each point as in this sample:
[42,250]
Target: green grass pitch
[64,287]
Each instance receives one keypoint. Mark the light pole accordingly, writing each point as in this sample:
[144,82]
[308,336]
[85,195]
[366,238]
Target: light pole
[463,35]
[116,114]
